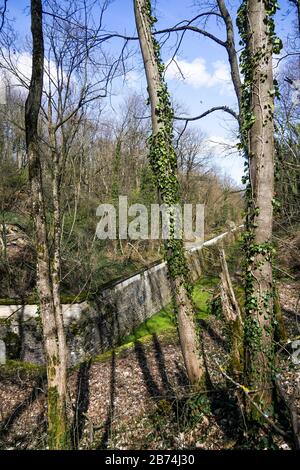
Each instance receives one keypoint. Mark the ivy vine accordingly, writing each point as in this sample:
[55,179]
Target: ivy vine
[163,161]
[249,62]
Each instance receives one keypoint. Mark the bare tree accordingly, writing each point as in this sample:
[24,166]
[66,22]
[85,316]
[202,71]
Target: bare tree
[193,156]
[53,331]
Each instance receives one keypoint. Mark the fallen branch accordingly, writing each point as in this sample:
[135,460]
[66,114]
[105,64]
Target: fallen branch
[231,306]
[247,393]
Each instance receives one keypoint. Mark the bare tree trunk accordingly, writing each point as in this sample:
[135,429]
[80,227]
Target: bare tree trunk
[259,325]
[57,423]
[61,338]
[163,161]
[56,261]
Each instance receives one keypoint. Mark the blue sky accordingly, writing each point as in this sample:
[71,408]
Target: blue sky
[203,63]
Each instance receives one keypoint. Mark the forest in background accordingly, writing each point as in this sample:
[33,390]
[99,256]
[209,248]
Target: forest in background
[104,159]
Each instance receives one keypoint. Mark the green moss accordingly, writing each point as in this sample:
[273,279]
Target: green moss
[9,301]
[165,319]
[71,298]
[161,321]
[58,433]
[166,336]
[236,349]
[10,217]
[23,370]
[33,299]
[201,296]
[240,295]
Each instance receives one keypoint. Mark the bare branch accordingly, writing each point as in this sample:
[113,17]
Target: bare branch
[226,109]
[195,29]
[2,13]
[231,51]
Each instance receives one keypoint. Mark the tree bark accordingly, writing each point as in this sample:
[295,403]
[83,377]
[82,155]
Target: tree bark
[259,289]
[56,367]
[174,250]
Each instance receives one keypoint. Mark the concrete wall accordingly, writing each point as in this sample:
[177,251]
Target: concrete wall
[93,327]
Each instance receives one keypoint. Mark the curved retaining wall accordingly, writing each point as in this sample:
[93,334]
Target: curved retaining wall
[93,327]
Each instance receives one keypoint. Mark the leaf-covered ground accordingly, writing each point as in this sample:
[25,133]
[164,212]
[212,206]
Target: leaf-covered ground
[137,396]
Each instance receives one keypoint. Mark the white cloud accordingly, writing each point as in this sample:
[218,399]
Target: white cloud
[196,74]
[17,69]
[132,79]
[22,64]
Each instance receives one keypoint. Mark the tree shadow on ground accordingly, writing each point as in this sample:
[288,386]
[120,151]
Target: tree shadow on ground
[111,409]
[212,333]
[82,402]
[153,388]
[161,363]
[7,425]
[33,439]
[226,412]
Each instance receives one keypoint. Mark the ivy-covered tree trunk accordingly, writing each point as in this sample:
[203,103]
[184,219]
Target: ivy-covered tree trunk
[257,31]
[57,420]
[164,164]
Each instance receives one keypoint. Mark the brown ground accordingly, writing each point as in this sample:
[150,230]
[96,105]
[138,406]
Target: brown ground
[139,398]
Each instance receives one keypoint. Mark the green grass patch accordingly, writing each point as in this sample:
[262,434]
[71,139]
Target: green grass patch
[161,321]
[119,350]
[165,319]
[202,294]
